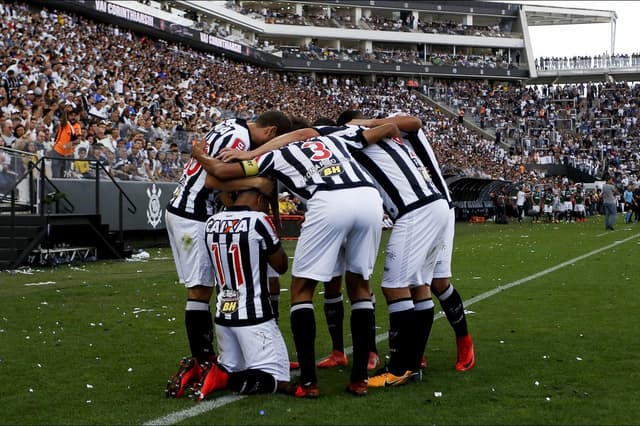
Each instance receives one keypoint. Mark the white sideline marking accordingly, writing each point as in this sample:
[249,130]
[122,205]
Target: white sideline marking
[196,410]
[498,289]
[209,405]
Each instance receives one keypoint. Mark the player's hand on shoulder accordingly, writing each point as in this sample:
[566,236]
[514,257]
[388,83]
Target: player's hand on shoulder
[227,155]
[198,148]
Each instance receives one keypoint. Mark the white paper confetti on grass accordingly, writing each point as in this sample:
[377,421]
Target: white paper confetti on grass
[139,310]
[548,399]
[89,386]
[130,369]
[437,394]
[537,383]
[578,358]
[31,390]
[40,283]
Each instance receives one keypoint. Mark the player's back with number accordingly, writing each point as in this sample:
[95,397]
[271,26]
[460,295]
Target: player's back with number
[240,242]
[322,163]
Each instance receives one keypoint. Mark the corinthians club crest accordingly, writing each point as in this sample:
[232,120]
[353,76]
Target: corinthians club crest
[154,211]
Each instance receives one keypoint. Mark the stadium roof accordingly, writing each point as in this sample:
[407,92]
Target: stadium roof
[550,15]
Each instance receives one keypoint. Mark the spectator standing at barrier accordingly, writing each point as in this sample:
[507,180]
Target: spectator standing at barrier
[609,203]
[7,137]
[69,131]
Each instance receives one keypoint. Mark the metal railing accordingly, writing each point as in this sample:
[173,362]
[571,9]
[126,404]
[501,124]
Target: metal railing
[43,192]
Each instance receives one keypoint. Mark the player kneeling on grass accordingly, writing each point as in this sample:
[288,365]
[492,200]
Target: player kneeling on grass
[242,243]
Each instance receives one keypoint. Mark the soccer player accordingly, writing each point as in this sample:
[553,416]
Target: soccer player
[535,200]
[242,243]
[440,285]
[448,296]
[341,232]
[579,208]
[566,205]
[548,199]
[187,211]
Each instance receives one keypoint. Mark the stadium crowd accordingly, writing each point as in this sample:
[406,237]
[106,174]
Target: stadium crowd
[139,102]
[373,22]
[593,127]
[398,56]
[604,60]
[137,119]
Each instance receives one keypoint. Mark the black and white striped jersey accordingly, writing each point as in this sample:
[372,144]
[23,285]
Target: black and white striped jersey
[318,164]
[191,199]
[420,144]
[401,178]
[240,242]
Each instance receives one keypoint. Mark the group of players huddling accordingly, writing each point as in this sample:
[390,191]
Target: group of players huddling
[350,173]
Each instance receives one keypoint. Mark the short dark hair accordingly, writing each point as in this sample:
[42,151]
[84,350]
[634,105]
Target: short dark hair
[348,115]
[299,123]
[275,118]
[324,121]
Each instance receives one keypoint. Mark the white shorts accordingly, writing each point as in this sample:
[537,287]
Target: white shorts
[415,243]
[535,209]
[566,206]
[189,251]
[259,347]
[579,208]
[548,208]
[341,232]
[443,263]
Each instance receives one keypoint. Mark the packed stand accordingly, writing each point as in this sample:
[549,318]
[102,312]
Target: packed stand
[604,60]
[399,56]
[593,127]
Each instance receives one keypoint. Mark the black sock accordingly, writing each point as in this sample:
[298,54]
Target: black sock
[374,345]
[423,320]
[334,313]
[250,382]
[400,336]
[199,324]
[453,308]
[362,333]
[303,328]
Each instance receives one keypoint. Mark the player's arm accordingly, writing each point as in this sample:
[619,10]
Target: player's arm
[406,123]
[376,134]
[279,261]
[218,168]
[227,154]
[263,185]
